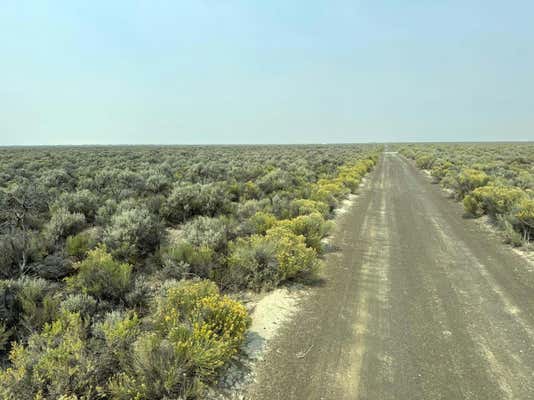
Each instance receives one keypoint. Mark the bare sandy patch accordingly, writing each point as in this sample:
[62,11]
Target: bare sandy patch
[345,205]
[268,311]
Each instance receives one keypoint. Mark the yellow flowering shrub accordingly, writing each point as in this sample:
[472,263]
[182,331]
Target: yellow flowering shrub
[493,200]
[313,227]
[264,261]
[525,215]
[292,254]
[468,180]
[308,206]
[196,331]
[261,221]
[54,362]
[351,174]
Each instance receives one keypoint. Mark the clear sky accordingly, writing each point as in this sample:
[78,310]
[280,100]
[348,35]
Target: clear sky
[265,71]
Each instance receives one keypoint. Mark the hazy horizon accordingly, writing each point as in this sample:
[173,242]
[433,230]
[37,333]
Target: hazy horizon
[237,72]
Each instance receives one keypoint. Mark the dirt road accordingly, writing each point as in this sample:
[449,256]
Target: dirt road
[418,303]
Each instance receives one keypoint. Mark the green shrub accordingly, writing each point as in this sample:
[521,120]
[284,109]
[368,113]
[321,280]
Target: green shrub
[471,205]
[99,275]
[307,206]
[5,335]
[196,331]
[188,200]
[260,262]
[440,168]
[258,223]
[133,234]
[62,224]
[54,363]
[206,231]
[493,200]
[468,180]
[159,369]
[52,267]
[77,246]
[291,252]
[10,307]
[511,235]
[183,259]
[313,227]
[525,215]
[252,263]
[37,301]
[80,303]
[83,202]
[329,192]
[115,335]
[424,161]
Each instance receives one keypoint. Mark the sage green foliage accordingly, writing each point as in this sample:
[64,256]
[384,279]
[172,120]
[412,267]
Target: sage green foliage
[133,234]
[37,301]
[78,245]
[183,260]
[263,261]
[62,224]
[307,206]
[259,223]
[101,276]
[93,242]
[207,231]
[312,226]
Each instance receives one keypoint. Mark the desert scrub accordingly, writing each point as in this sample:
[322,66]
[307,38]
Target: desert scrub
[307,206]
[493,200]
[53,363]
[264,261]
[468,180]
[258,223]
[183,260]
[100,276]
[133,234]
[195,331]
[69,201]
[313,227]
[350,175]
[78,245]
[525,216]
[424,161]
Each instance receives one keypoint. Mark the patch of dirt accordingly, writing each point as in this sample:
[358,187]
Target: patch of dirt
[268,312]
[268,315]
[345,205]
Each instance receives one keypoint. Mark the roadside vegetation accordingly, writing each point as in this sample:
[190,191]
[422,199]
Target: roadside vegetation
[490,179]
[120,266]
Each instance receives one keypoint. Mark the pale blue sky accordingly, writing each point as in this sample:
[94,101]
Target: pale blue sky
[277,71]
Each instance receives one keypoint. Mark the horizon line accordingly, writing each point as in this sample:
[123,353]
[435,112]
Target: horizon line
[261,144]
